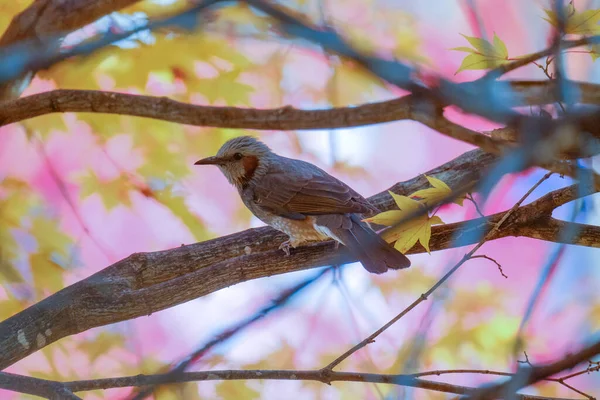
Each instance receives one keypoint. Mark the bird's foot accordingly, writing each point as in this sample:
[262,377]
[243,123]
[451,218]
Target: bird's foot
[336,245]
[285,246]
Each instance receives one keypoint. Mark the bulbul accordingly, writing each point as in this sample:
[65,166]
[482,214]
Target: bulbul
[303,201]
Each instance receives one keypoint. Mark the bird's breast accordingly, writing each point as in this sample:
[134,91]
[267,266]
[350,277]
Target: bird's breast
[301,230]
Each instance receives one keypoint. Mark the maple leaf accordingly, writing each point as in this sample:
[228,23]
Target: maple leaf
[45,124]
[10,306]
[407,233]
[226,87]
[47,274]
[236,390]
[178,207]
[358,84]
[484,55]
[577,23]
[101,344]
[437,193]
[51,238]
[112,193]
[16,203]
[405,30]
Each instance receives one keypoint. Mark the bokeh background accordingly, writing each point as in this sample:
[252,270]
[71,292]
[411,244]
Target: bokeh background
[79,192]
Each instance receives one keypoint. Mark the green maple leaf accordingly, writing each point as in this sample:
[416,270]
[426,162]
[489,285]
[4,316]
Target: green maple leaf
[577,23]
[484,55]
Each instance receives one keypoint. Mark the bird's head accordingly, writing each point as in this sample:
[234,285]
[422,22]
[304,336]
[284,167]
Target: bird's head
[240,159]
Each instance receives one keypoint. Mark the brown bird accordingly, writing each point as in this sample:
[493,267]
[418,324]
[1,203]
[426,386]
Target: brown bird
[303,201]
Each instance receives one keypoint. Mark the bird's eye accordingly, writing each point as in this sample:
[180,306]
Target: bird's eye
[237,156]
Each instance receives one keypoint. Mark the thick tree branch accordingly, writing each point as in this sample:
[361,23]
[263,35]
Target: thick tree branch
[163,108]
[46,19]
[144,283]
[286,118]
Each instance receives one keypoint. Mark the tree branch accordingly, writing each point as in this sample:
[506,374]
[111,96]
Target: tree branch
[529,375]
[285,118]
[35,386]
[296,375]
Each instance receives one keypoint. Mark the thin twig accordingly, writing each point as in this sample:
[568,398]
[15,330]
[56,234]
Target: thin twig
[494,261]
[469,196]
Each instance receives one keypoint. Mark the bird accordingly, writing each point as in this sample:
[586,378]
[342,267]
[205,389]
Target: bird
[303,201]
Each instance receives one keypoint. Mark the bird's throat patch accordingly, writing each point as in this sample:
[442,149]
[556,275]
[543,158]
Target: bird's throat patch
[250,163]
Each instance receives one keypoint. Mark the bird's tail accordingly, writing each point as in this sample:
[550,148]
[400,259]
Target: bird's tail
[375,254]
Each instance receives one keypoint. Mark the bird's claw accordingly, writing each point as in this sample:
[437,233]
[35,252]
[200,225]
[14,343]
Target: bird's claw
[336,245]
[285,246]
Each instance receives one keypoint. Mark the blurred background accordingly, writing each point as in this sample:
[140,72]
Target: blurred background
[79,192]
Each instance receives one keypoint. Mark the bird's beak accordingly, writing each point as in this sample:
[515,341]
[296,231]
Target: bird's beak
[209,161]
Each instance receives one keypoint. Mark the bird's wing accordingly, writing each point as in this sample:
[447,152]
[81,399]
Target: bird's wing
[303,189]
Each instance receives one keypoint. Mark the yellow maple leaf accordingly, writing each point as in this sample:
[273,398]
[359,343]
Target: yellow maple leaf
[437,193]
[407,234]
[417,228]
[406,205]
[101,344]
[113,193]
[358,84]
[408,42]
[47,274]
[406,228]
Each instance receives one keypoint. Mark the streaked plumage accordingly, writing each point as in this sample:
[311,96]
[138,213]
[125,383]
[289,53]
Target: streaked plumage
[303,201]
